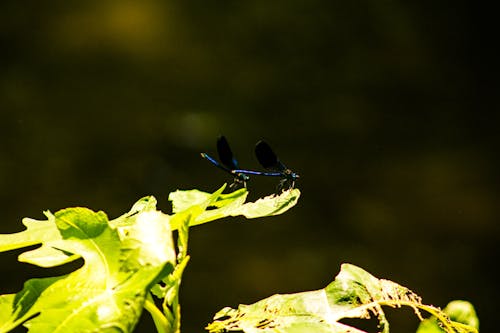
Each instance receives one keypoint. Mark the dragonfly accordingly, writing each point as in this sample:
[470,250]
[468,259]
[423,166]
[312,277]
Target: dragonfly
[228,162]
[270,161]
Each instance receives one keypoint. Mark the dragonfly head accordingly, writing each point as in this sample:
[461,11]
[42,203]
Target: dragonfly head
[290,175]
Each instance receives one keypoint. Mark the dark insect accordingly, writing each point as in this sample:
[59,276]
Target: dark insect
[270,161]
[227,162]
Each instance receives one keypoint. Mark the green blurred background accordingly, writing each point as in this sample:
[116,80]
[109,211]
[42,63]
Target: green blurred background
[382,107]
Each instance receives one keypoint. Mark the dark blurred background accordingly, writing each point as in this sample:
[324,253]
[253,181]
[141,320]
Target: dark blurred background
[383,108]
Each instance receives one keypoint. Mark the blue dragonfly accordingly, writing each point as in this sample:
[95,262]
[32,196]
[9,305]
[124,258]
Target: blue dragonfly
[270,161]
[228,162]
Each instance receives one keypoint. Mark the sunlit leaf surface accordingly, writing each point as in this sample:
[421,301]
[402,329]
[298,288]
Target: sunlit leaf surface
[109,290]
[126,260]
[353,294]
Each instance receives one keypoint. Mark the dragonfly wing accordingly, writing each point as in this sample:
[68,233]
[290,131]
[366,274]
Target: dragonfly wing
[225,154]
[267,158]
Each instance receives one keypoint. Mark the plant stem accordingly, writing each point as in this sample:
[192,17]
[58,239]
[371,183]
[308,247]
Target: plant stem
[161,322]
[440,316]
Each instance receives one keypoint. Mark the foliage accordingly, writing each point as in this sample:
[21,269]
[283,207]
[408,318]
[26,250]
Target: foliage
[353,294]
[136,262]
[462,313]
[126,261]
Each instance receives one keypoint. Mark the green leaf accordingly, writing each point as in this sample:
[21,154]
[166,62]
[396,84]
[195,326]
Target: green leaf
[232,204]
[182,200]
[20,307]
[268,206]
[36,232]
[6,313]
[45,232]
[462,312]
[144,204]
[353,294]
[121,264]
[46,256]
[463,315]
[124,260]
[168,288]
